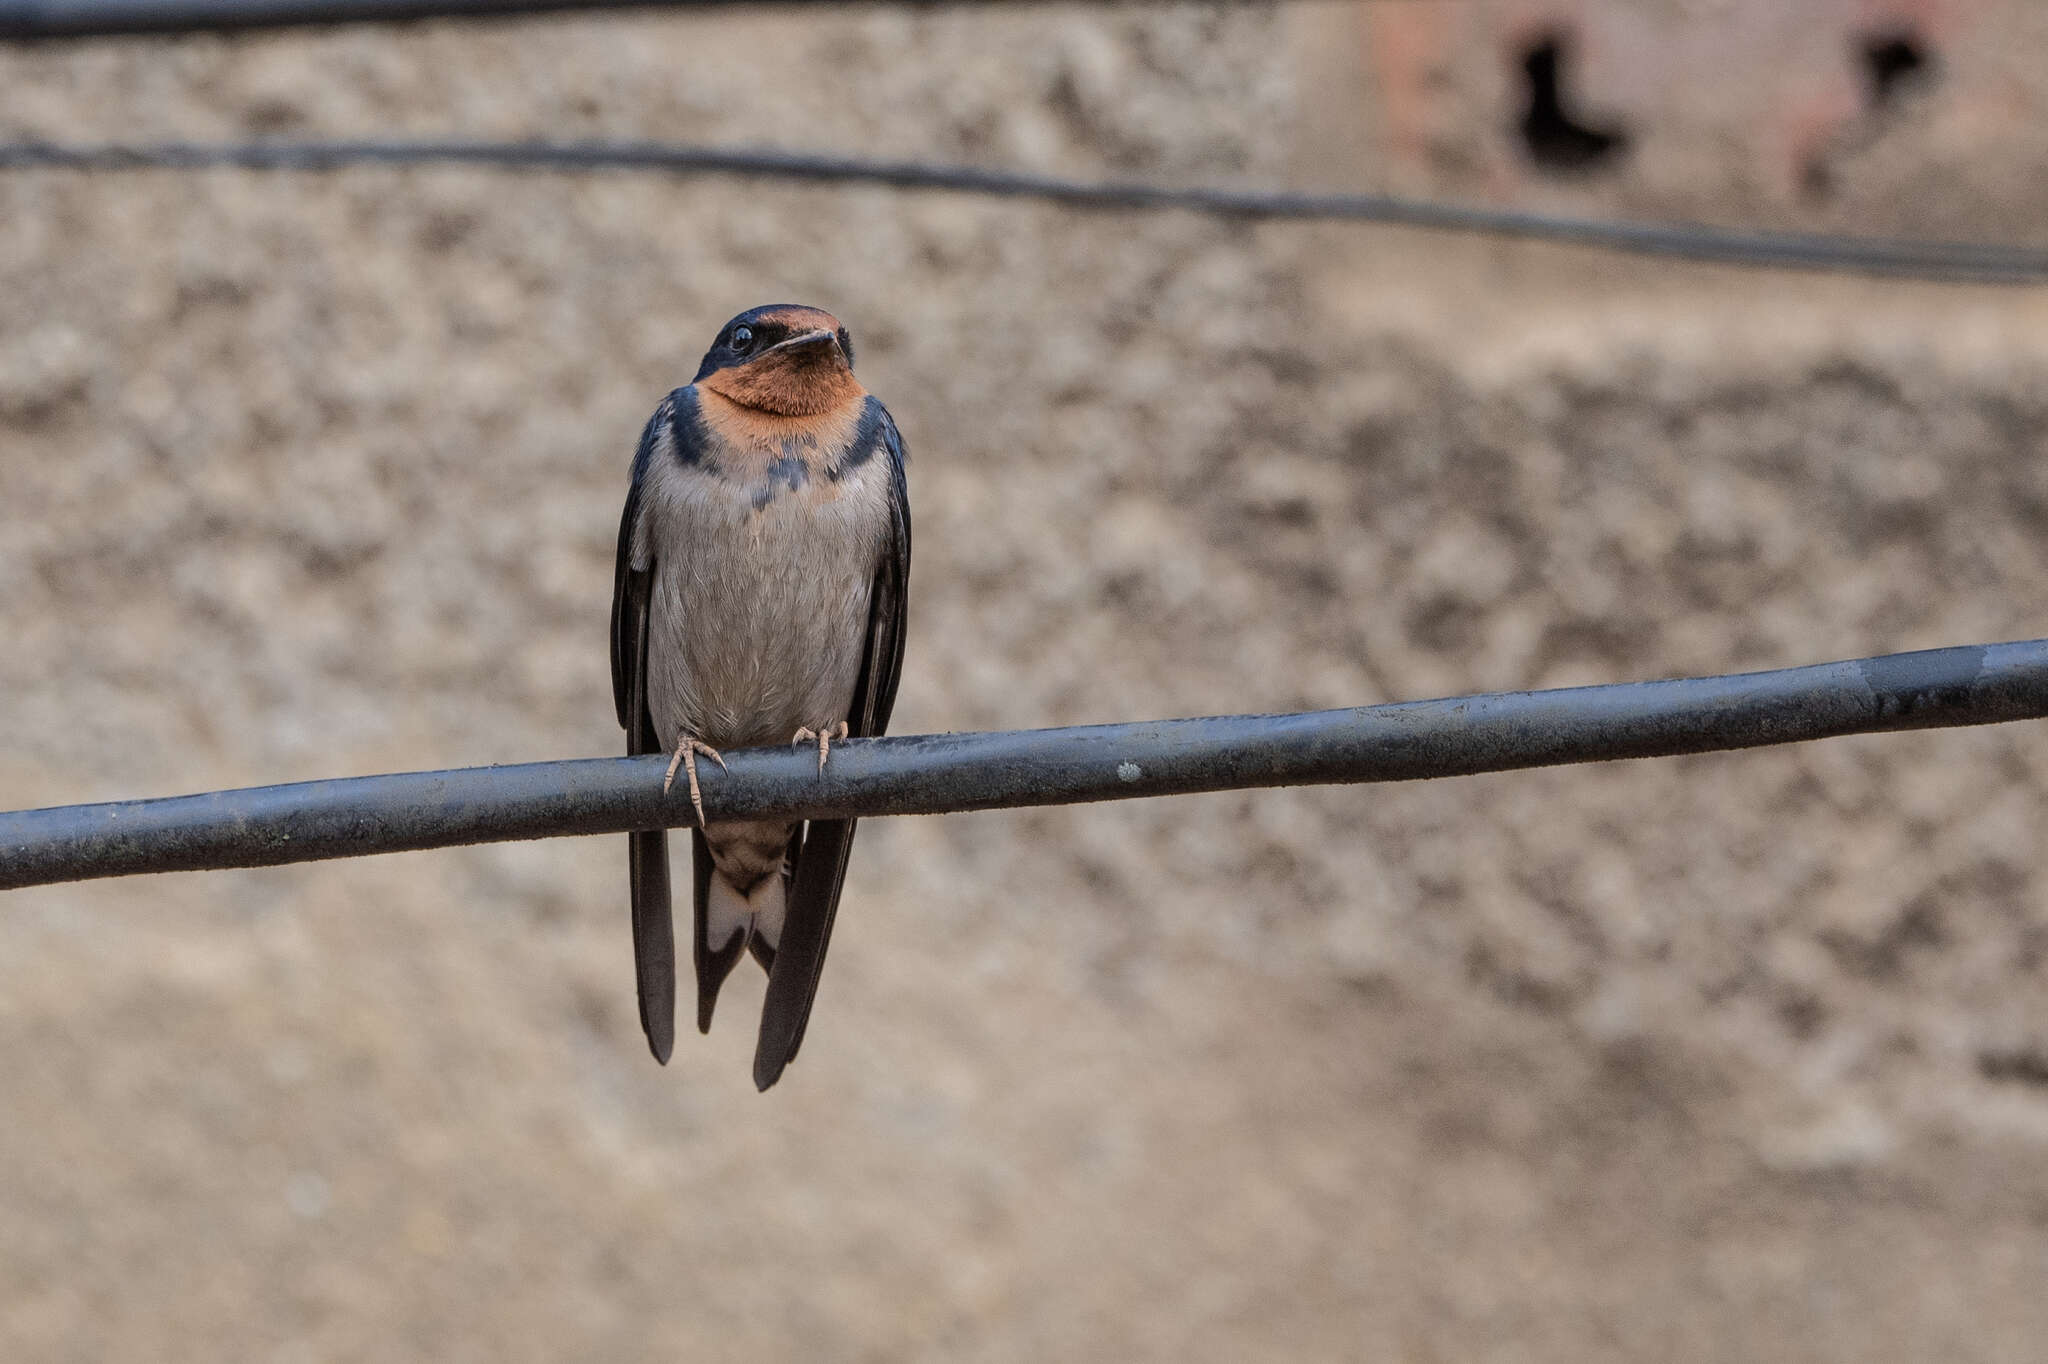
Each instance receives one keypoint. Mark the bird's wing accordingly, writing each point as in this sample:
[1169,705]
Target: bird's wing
[820,866]
[654,947]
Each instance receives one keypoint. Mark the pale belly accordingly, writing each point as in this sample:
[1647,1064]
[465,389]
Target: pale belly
[759,615]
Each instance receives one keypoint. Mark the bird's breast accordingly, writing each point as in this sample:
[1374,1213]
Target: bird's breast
[764,565]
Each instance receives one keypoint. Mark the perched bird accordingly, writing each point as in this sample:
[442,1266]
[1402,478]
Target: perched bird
[763,560]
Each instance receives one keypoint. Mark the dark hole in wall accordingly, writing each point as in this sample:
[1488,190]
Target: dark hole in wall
[1553,133]
[1894,62]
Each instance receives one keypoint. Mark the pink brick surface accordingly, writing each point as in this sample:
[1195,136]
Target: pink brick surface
[1751,110]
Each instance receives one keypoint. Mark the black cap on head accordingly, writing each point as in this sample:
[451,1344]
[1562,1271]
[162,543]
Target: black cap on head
[761,329]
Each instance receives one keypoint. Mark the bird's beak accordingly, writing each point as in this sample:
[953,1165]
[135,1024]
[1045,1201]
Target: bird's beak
[824,336]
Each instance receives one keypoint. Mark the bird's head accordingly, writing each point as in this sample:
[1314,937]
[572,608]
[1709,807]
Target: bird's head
[782,358]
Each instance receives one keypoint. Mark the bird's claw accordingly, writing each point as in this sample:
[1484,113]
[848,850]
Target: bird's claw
[823,737]
[685,757]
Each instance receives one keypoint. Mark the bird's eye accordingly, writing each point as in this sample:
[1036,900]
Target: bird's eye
[742,339]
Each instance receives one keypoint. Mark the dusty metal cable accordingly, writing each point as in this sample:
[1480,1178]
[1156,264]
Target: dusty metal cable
[933,773]
[35,19]
[38,19]
[1950,261]
[32,19]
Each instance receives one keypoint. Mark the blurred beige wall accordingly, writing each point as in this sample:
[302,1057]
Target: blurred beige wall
[1737,1057]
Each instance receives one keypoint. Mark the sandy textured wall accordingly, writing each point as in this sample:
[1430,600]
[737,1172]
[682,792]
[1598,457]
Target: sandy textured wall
[1901,116]
[1731,1058]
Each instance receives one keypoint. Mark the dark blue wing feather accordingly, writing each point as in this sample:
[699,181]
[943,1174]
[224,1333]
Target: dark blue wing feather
[654,948]
[820,867]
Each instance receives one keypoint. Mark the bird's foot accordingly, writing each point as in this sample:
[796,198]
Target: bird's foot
[685,757]
[824,738]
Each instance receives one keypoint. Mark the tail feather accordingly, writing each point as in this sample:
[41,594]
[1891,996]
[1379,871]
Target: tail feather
[813,903]
[731,924]
[769,902]
[714,964]
[773,909]
[727,913]
[654,941]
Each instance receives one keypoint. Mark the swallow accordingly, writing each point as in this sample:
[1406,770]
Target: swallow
[764,559]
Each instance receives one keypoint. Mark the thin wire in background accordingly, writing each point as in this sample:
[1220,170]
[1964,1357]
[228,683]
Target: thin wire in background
[1889,257]
[31,20]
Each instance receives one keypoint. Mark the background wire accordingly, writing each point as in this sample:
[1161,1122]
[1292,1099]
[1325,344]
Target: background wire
[1898,258]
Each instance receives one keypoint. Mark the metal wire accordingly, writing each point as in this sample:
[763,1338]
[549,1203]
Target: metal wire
[935,773]
[36,19]
[32,19]
[29,19]
[1949,261]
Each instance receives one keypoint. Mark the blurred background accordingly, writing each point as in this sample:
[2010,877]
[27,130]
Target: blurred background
[1729,1058]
